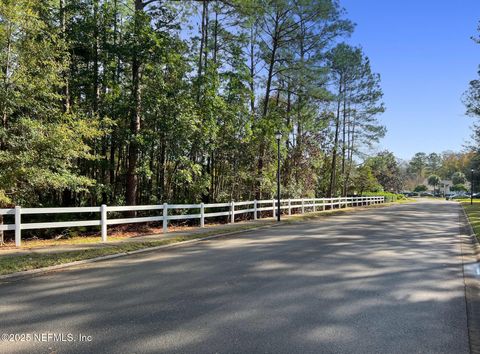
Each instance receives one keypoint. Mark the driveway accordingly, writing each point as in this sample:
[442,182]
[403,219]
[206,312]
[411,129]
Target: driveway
[385,280]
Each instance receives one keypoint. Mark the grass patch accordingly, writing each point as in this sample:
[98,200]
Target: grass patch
[77,240]
[12,263]
[473,213]
[17,263]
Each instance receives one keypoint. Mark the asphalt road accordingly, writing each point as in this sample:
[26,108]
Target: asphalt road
[383,280]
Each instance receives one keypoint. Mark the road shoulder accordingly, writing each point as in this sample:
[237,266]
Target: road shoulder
[471,272]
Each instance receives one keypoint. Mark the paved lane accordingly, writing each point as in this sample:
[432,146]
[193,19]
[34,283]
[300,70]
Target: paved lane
[375,281]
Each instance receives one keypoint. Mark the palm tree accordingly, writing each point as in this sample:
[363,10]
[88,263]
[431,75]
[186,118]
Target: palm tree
[433,180]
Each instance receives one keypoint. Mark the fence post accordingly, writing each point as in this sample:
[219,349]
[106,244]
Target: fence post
[232,212]
[303,206]
[103,222]
[323,204]
[289,206]
[165,218]
[255,210]
[273,208]
[202,215]
[18,226]
[314,205]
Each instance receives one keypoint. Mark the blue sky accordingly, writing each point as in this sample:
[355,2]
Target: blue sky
[423,52]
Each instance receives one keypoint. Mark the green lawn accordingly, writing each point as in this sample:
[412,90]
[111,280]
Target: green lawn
[473,213]
[12,263]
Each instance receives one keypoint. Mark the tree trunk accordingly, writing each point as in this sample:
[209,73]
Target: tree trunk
[252,71]
[6,84]
[66,87]
[333,174]
[344,144]
[270,69]
[2,241]
[258,192]
[344,133]
[96,85]
[111,168]
[215,38]
[200,54]
[135,119]
[351,144]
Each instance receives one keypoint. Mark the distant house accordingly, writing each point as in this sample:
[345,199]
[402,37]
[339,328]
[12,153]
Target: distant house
[444,186]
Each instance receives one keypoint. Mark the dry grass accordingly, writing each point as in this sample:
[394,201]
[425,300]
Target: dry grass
[11,263]
[116,234]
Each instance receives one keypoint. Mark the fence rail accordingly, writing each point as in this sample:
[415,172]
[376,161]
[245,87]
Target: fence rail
[255,207]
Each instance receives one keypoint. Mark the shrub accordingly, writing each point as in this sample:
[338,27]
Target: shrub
[389,197]
[420,188]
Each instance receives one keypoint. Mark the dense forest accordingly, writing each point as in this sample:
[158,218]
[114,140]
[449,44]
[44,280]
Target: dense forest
[144,101]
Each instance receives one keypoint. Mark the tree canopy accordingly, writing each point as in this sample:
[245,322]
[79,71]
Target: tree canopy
[140,102]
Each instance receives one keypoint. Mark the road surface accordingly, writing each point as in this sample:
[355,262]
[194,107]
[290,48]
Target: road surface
[385,280]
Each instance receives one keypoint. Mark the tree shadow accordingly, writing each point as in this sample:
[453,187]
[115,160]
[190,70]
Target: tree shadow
[385,280]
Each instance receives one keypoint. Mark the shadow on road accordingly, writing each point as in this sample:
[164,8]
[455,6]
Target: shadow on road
[384,280]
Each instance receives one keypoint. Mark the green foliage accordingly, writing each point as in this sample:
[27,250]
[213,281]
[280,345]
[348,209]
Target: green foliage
[471,99]
[434,162]
[385,168]
[448,165]
[180,101]
[418,164]
[40,144]
[420,188]
[5,201]
[433,180]
[365,181]
[458,188]
[389,197]
[458,178]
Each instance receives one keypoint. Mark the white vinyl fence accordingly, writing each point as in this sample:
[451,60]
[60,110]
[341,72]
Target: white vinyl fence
[200,211]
